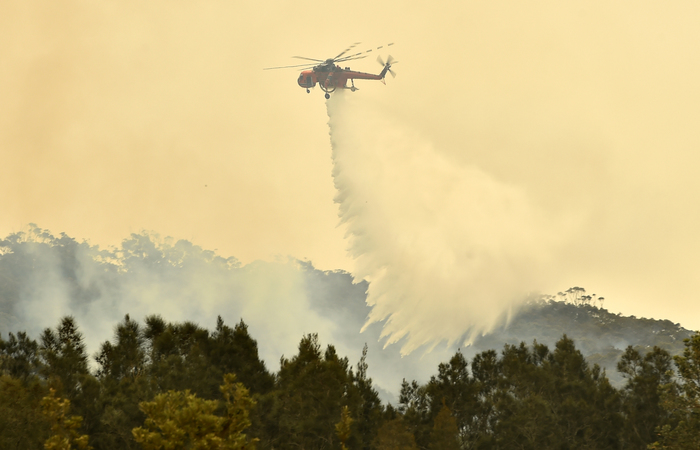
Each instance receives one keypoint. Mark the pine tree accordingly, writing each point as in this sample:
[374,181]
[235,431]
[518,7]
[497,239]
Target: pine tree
[19,356]
[366,406]
[311,390]
[234,351]
[123,375]
[64,357]
[455,388]
[642,402]
[682,402]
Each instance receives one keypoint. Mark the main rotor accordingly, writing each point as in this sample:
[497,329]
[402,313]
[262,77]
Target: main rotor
[326,64]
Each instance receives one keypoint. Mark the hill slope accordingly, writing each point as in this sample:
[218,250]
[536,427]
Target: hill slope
[43,277]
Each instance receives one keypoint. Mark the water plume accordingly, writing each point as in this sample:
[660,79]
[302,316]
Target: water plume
[449,252]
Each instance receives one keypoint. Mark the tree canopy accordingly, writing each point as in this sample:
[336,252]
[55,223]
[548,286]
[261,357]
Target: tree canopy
[163,385]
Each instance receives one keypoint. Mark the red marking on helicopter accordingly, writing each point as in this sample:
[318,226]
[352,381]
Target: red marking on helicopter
[329,75]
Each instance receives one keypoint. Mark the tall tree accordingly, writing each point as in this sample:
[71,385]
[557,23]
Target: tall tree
[311,390]
[19,356]
[414,406]
[235,351]
[454,389]
[642,402]
[64,365]
[682,402]
[366,406]
[123,375]
[64,357]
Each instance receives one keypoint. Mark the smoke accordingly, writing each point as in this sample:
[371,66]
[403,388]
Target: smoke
[48,277]
[45,277]
[449,252]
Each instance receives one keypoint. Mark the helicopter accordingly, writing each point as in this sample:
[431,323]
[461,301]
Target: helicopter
[329,74]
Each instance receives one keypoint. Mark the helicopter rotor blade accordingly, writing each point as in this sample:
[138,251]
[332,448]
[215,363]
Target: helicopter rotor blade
[346,50]
[337,59]
[308,59]
[350,59]
[289,67]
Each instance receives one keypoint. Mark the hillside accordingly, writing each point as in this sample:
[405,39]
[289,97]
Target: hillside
[43,277]
[599,334]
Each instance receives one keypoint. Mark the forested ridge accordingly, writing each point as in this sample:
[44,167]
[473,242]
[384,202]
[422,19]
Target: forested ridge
[159,384]
[563,372]
[45,276]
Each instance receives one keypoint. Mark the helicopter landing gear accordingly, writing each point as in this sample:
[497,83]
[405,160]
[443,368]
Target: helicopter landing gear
[327,95]
[308,91]
[353,88]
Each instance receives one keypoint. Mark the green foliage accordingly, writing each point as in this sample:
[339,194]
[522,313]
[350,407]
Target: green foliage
[342,428]
[598,333]
[689,366]
[64,357]
[142,361]
[313,390]
[19,356]
[395,435]
[64,428]
[123,373]
[309,396]
[366,406]
[641,396]
[179,419]
[157,385]
[234,351]
[22,424]
[452,388]
[682,402]
[414,405]
[444,435]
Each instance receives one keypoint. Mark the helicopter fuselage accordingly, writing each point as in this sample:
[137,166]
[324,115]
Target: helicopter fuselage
[330,77]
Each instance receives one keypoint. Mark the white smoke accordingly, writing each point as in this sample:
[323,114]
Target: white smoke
[46,278]
[449,252]
[175,279]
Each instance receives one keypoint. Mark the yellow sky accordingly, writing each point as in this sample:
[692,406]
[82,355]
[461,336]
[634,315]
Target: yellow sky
[118,116]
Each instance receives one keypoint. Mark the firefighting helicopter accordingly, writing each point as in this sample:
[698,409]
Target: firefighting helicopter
[330,75]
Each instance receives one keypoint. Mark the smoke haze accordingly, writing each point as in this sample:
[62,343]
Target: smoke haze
[45,277]
[122,116]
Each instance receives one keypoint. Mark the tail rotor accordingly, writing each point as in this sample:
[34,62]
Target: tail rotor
[387,65]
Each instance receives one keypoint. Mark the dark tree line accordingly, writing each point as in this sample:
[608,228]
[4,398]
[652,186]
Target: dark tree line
[523,397]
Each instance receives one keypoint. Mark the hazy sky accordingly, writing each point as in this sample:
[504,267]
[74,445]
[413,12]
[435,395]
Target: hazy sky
[118,116]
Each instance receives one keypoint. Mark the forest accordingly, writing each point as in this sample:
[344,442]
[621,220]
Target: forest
[164,385]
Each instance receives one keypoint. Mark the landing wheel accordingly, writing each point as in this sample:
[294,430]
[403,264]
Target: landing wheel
[327,95]
[308,91]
